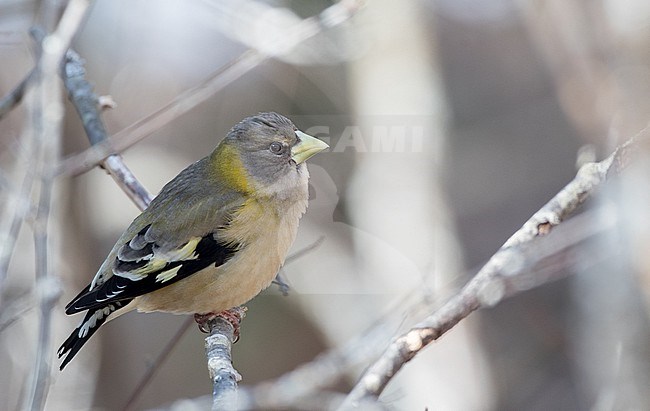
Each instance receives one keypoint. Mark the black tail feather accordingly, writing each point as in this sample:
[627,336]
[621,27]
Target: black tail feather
[90,324]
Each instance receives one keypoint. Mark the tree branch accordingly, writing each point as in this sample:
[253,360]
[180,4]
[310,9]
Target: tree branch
[218,347]
[15,96]
[507,273]
[86,102]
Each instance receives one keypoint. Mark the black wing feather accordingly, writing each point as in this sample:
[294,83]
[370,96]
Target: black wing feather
[117,288]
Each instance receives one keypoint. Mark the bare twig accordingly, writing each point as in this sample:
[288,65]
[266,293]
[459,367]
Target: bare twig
[125,179]
[15,96]
[86,102]
[506,273]
[15,309]
[18,204]
[247,61]
[48,134]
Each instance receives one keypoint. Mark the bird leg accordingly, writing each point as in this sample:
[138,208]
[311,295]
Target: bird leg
[233,316]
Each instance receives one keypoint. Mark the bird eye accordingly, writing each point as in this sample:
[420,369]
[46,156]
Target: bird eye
[276,148]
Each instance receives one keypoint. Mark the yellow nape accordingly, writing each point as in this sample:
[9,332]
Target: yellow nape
[229,168]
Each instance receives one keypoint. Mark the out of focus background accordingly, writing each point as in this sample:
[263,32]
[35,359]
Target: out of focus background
[450,122]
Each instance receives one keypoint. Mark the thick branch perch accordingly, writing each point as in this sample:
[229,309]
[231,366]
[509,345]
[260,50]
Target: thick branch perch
[218,346]
[507,273]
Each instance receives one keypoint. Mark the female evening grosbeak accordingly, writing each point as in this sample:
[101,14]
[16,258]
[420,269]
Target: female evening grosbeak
[214,237]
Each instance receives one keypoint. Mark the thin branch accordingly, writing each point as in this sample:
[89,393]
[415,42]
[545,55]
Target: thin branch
[247,61]
[15,96]
[48,134]
[507,273]
[18,204]
[16,309]
[127,181]
[86,102]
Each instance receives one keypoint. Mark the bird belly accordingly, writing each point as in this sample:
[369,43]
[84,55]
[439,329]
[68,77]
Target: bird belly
[241,278]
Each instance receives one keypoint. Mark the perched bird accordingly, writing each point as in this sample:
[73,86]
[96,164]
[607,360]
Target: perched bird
[213,238]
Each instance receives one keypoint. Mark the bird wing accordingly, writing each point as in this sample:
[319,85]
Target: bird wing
[154,253]
[140,271]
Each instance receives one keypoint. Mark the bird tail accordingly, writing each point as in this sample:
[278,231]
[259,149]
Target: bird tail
[92,321]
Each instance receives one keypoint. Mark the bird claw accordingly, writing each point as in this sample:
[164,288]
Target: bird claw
[233,316]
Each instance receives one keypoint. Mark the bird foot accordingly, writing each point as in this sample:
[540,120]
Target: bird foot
[233,316]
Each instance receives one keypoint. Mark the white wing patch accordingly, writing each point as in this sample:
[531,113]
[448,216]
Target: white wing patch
[167,274]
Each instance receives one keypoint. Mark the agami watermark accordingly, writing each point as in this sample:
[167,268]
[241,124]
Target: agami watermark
[373,139]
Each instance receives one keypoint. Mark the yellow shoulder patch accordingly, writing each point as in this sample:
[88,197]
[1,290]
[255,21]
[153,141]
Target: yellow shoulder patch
[229,167]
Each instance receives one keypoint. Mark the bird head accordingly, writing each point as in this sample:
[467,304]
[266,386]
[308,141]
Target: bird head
[265,154]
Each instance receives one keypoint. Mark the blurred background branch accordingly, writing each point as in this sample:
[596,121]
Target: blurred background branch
[15,96]
[47,101]
[512,270]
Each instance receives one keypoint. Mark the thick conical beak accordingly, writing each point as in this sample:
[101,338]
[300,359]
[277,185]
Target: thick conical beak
[307,147]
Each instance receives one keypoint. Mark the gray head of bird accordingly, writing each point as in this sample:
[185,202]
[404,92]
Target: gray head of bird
[265,155]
